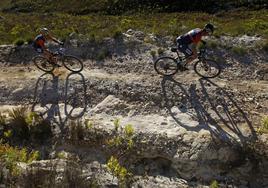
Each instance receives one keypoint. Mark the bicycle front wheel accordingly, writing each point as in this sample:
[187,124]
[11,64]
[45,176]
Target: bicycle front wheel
[207,68]
[43,64]
[73,64]
[166,66]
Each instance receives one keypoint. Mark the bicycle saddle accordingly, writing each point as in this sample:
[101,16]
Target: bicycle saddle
[174,49]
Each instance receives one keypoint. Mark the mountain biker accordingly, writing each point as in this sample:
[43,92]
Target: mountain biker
[40,40]
[187,43]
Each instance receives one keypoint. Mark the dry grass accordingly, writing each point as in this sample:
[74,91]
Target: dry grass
[24,26]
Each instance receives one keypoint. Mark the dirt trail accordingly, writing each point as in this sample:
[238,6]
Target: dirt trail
[186,98]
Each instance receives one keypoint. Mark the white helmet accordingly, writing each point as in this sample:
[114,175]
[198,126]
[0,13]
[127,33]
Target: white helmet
[44,31]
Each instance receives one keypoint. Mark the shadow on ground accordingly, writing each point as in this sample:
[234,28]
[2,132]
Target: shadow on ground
[212,108]
[59,104]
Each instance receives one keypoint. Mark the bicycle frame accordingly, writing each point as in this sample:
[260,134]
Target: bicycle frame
[181,59]
[59,54]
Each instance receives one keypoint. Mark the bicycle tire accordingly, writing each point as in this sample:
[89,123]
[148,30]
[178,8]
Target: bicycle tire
[209,64]
[167,61]
[67,63]
[44,64]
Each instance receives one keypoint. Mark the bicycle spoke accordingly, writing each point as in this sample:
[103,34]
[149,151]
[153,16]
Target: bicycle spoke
[207,68]
[73,64]
[166,66]
[43,64]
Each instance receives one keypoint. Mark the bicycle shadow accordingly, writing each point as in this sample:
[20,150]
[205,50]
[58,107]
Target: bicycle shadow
[58,103]
[207,106]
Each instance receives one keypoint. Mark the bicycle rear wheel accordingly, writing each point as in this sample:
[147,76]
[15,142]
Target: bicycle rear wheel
[207,68]
[72,63]
[43,64]
[166,66]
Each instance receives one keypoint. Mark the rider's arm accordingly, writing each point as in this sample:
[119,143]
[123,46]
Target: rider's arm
[55,40]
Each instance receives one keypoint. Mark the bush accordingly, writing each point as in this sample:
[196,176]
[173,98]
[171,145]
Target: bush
[10,156]
[239,50]
[25,126]
[214,184]
[160,51]
[18,123]
[117,35]
[117,170]
[153,53]
[212,44]
[103,53]
[264,125]
[29,41]
[19,42]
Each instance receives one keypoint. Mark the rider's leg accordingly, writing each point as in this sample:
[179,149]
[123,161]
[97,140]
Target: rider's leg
[190,53]
[49,56]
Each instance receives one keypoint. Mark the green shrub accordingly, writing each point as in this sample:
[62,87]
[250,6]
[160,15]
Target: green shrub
[10,156]
[160,51]
[8,133]
[28,126]
[264,125]
[120,145]
[129,131]
[29,40]
[88,124]
[19,42]
[239,50]
[212,44]
[214,184]
[153,53]
[32,118]
[116,124]
[18,123]
[61,155]
[102,54]
[117,34]
[117,170]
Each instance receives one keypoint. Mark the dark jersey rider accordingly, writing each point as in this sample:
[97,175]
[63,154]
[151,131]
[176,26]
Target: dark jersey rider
[187,43]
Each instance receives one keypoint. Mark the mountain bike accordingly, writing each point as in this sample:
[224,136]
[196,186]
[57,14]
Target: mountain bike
[70,62]
[206,68]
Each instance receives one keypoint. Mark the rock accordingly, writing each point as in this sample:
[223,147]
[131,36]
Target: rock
[139,35]
[17,91]
[130,32]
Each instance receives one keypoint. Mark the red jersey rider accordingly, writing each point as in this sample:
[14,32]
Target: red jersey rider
[40,40]
[187,43]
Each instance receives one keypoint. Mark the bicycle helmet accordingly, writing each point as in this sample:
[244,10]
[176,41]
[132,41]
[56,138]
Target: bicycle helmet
[209,28]
[44,31]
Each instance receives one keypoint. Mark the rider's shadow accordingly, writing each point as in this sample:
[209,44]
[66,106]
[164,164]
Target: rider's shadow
[58,103]
[207,106]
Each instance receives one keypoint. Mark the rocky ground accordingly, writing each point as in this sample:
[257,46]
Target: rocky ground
[189,131]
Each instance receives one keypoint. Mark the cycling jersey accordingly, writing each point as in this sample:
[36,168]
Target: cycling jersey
[187,42]
[39,43]
[193,36]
